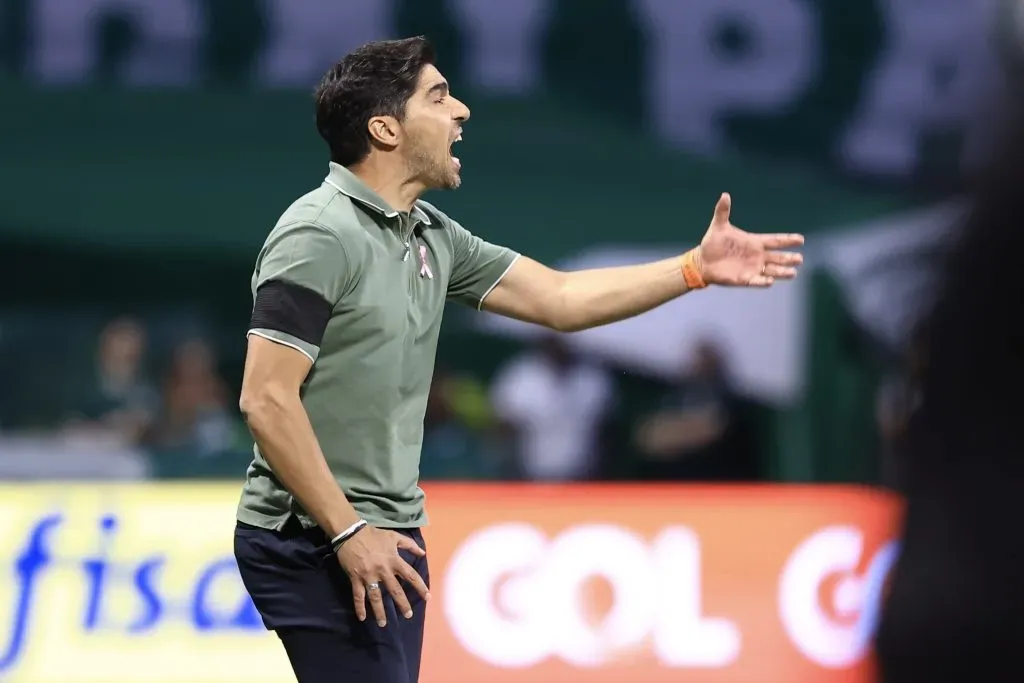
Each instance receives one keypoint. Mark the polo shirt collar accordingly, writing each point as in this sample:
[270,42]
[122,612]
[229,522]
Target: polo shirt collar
[346,182]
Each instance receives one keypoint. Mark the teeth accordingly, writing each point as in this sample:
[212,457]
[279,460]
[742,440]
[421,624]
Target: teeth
[459,139]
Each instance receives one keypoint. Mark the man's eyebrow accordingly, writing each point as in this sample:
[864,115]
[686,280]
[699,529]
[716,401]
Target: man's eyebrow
[438,89]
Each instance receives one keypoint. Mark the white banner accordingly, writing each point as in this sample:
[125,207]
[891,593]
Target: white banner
[885,268]
[760,331]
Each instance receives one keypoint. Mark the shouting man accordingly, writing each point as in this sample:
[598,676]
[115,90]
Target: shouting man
[349,291]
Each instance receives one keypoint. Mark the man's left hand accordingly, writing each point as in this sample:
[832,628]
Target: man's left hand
[733,257]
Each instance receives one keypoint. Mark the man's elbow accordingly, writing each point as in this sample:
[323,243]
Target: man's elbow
[565,324]
[566,318]
[261,405]
[561,314]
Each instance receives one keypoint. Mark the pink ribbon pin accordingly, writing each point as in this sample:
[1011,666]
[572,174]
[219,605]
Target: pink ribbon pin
[424,266]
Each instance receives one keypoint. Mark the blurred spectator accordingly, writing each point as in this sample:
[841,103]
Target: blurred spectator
[119,403]
[195,416]
[455,431]
[554,405]
[898,399]
[698,432]
[954,606]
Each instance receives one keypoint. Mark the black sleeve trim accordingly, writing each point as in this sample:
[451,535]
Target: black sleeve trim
[291,309]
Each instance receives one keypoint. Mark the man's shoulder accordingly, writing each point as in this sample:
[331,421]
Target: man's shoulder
[326,212]
[322,207]
[438,219]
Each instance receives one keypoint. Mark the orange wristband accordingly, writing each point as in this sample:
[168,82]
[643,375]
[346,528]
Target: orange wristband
[691,271]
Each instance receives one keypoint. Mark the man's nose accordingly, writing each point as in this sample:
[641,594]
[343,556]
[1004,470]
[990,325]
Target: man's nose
[461,111]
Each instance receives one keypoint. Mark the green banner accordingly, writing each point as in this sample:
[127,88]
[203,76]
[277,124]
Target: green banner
[213,173]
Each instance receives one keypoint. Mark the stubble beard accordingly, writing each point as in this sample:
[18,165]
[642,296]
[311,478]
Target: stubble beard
[434,173]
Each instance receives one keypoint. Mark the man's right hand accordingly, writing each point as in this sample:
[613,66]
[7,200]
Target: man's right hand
[371,560]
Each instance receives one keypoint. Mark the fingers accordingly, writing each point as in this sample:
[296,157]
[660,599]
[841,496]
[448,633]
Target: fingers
[723,208]
[359,598]
[783,258]
[779,272]
[406,543]
[374,591]
[413,578]
[761,281]
[782,241]
[781,265]
[394,587]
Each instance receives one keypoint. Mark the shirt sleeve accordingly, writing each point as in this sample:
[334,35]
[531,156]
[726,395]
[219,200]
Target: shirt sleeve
[477,268]
[302,273]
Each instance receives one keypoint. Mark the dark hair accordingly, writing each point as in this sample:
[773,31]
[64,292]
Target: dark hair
[376,79]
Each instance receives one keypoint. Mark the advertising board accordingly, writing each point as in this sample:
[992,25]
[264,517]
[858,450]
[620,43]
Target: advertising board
[593,584]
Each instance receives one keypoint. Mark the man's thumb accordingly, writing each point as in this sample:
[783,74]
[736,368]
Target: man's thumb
[723,208]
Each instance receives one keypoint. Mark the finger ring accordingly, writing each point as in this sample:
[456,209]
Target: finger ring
[374,586]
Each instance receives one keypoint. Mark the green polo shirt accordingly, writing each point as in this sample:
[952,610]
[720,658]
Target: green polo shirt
[387,275]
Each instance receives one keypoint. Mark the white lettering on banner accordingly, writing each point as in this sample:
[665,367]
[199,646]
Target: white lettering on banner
[929,72]
[925,81]
[514,598]
[692,641]
[503,50]
[692,84]
[307,36]
[64,48]
[833,553]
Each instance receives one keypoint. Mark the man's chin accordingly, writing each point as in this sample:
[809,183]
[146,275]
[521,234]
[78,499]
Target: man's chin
[451,181]
[454,179]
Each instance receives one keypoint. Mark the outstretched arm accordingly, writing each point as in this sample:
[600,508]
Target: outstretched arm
[569,302]
[579,300]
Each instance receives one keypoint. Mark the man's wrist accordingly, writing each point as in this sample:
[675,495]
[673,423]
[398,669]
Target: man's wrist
[693,269]
[339,539]
[342,516]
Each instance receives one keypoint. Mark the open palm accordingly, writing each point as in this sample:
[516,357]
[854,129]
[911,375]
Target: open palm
[733,257]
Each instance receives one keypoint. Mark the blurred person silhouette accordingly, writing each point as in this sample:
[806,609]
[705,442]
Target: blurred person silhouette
[553,405]
[698,433]
[194,415]
[898,399]
[119,403]
[455,431]
[955,606]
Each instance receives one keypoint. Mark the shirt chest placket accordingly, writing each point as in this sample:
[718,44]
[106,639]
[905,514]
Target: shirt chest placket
[419,264]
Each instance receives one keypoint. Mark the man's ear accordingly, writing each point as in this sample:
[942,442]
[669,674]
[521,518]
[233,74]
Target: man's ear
[384,130]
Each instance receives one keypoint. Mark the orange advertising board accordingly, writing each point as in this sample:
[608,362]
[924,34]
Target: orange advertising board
[655,584]
[530,584]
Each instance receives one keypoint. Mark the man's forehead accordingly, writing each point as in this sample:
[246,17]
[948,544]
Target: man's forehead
[431,78]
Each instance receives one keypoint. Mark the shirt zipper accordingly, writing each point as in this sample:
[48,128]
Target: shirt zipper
[410,247]
[406,236]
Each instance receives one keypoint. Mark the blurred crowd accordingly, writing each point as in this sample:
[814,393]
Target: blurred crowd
[547,413]
[551,414]
[177,413]
[167,403]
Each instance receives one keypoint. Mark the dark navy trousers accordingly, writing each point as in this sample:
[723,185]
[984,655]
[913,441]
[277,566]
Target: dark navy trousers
[305,596]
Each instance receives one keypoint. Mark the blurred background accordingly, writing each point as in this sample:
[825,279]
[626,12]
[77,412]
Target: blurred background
[148,146]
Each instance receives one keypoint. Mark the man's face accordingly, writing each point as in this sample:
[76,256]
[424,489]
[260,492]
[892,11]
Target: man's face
[433,123]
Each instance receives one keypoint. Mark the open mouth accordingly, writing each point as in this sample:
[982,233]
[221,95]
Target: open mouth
[455,159]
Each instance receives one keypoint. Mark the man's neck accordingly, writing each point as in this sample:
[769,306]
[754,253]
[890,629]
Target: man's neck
[391,182]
